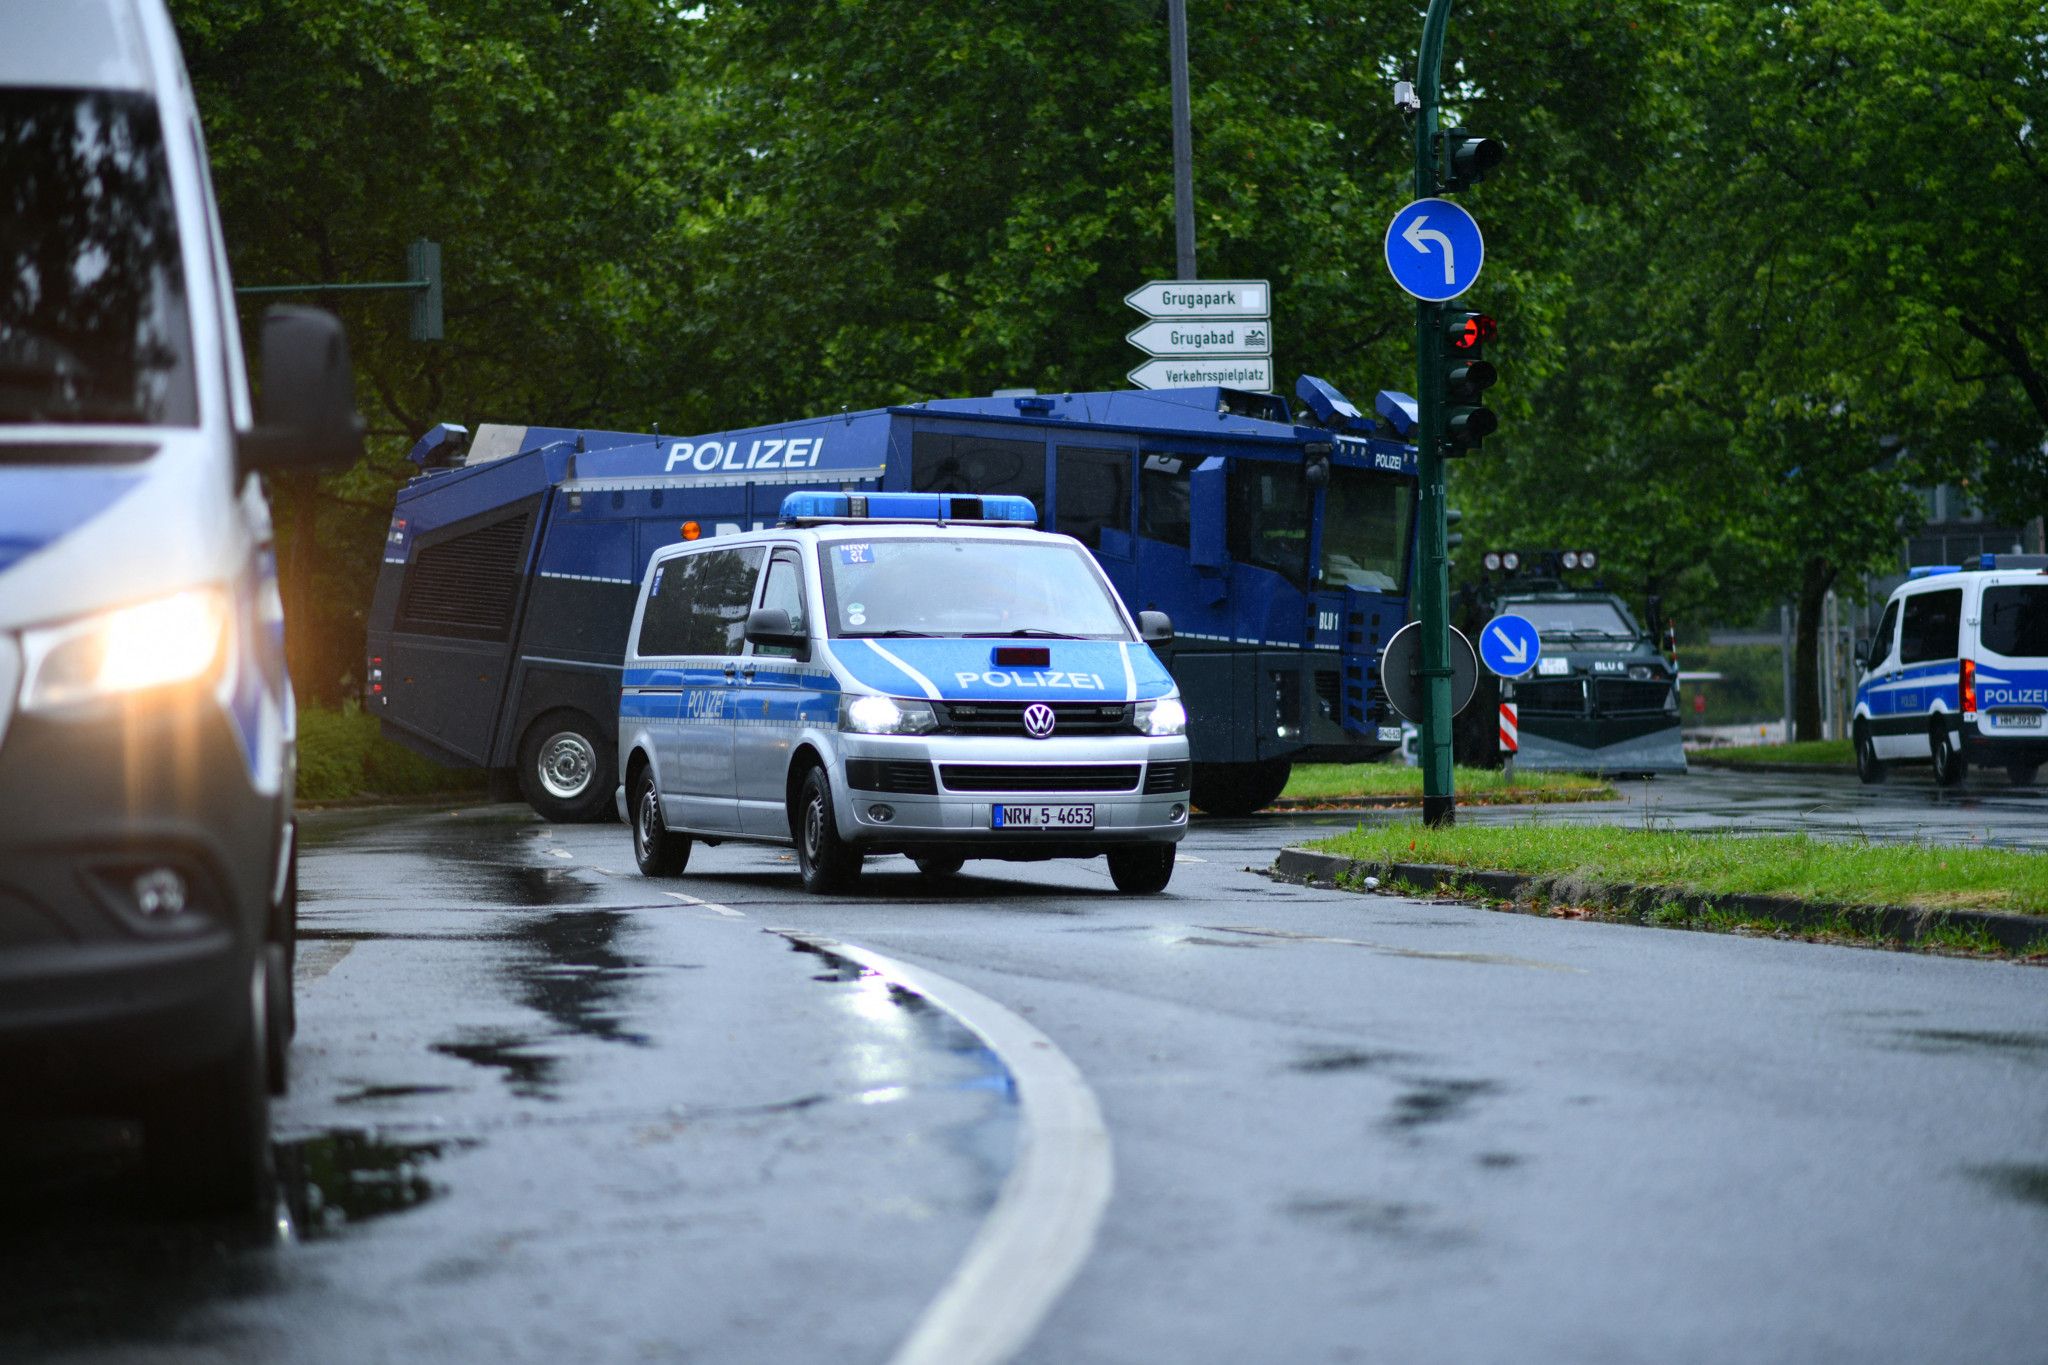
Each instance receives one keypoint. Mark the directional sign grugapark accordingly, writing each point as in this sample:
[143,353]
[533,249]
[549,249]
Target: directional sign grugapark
[1204,337]
[1202,299]
[1245,372]
[1509,645]
[1434,249]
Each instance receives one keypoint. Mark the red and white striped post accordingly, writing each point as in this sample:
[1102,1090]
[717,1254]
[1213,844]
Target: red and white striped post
[1510,740]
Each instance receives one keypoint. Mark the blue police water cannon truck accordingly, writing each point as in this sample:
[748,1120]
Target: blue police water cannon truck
[1279,543]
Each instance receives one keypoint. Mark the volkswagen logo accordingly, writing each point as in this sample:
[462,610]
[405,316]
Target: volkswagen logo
[1038,720]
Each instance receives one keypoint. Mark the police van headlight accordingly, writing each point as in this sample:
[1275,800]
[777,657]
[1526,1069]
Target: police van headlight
[157,643]
[886,716]
[1165,716]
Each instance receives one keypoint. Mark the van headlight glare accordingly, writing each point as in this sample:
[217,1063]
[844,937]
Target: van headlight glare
[886,716]
[157,643]
[1166,716]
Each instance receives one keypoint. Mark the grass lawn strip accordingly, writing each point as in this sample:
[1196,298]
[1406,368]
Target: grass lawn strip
[1815,753]
[1789,865]
[1334,783]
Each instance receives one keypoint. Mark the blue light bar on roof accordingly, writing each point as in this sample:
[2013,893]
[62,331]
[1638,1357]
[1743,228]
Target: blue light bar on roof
[933,507]
[1930,570]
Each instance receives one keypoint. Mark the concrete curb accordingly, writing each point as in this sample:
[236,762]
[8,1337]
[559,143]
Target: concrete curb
[2016,933]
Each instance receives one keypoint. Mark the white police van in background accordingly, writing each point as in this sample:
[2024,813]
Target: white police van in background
[146,727]
[914,673]
[1957,673]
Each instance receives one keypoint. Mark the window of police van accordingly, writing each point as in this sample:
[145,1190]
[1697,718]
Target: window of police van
[94,328]
[698,603]
[2013,620]
[1887,627]
[1932,626]
[957,586]
[784,588]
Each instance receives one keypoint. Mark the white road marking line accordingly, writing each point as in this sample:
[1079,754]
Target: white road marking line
[561,853]
[707,905]
[1188,858]
[1494,959]
[1044,1221]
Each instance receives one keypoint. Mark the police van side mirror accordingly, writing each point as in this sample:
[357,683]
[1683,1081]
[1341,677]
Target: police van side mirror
[772,626]
[1155,627]
[1863,659]
[307,415]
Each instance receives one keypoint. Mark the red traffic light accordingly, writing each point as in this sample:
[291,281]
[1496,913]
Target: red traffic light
[1471,332]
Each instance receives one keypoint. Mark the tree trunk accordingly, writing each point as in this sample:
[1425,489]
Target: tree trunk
[1815,578]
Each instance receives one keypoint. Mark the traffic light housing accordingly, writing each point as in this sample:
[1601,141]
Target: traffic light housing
[1467,376]
[1464,159]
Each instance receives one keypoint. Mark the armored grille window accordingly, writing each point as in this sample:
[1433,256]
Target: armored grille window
[467,585]
[977,464]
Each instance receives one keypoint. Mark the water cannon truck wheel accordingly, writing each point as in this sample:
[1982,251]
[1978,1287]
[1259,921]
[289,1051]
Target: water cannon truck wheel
[1232,789]
[567,768]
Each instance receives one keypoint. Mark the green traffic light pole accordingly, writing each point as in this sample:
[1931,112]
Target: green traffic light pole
[1433,592]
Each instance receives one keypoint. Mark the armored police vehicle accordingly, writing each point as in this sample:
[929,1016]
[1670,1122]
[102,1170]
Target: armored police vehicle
[1957,673]
[1602,698]
[1279,544]
[147,850]
[915,673]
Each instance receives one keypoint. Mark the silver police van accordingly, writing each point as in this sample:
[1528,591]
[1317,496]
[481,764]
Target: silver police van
[1957,673]
[913,673]
[147,727]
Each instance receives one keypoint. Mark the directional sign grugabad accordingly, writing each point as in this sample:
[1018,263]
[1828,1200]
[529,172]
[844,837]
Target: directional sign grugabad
[1402,658]
[1204,337]
[1434,249]
[1252,372]
[1202,299]
[1509,645]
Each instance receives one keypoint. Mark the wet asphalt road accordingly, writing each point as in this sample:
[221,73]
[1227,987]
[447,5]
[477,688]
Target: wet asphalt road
[546,1110]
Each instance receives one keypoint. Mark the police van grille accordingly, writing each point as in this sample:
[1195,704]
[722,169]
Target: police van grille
[1164,779]
[1039,777]
[1007,717]
[467,585]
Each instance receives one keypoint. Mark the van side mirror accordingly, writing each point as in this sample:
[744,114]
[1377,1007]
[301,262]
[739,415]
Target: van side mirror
[1155,627]
[772,626]
[1863,654]
[307,415]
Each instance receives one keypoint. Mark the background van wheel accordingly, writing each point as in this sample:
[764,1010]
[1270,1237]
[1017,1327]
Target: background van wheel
[2022,774]
[1239,788]
[281,1024]
[940,869]
[1949,764]
[1869,766]
[659,851]
[207,1133]
[1143,870]
[568,767]
[828,863]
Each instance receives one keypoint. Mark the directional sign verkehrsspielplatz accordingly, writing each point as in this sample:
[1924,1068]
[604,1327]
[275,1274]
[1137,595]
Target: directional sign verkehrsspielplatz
[1203,332]
[1509,645]
[1434,249]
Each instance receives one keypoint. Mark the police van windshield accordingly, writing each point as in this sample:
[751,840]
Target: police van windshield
[960,587]
[92,297]
[2016,621]
[1365,530]
[1590,617]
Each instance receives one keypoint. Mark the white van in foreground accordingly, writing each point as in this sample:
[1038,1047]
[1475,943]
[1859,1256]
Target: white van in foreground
[146,723]
[915,673]
[1957,673]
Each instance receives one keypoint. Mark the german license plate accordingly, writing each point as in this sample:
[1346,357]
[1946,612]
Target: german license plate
[2016,720]
[1041,817]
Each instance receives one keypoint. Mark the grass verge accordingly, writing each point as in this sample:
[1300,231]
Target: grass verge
[1814,753]
[343,757]
[1793,865]
[1338,781]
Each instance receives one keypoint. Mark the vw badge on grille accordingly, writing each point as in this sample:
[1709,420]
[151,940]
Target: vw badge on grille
[1038,720]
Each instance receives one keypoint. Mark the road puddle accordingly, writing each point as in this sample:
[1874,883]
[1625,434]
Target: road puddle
[337,1179]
